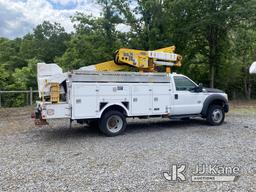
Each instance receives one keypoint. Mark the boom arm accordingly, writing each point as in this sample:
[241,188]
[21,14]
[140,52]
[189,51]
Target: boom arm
[142,60]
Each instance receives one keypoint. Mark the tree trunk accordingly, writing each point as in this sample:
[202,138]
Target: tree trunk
[212,75]
[247,88]
[212,37]
[246,79]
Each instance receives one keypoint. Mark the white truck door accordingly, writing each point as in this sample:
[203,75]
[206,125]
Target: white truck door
[84,100]
[141,99]
[186,102]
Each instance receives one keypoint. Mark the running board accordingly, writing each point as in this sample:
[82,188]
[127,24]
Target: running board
[184,116]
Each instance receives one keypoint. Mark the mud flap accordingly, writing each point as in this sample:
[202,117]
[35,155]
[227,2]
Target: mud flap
[40,122]
[38,119]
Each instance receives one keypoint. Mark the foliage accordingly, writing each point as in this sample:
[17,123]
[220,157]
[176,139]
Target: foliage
[45,43]
[204,26]
[95,39]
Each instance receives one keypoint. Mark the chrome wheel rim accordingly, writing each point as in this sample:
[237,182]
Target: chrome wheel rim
[217,115]
[114,123]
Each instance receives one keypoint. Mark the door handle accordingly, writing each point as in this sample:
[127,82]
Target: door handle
[176,96]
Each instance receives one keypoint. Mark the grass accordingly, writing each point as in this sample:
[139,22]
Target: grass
[243,107]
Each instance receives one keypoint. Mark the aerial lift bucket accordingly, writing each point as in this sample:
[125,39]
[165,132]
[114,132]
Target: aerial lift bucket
[252,69]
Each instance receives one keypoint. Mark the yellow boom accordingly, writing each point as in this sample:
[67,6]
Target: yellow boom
[142,60]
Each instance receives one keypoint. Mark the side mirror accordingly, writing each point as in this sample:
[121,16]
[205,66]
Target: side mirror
[199,88]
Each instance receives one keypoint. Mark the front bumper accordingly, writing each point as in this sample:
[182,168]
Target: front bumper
[226,107]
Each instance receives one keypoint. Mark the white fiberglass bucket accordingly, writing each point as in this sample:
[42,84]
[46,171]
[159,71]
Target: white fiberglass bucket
[253,68]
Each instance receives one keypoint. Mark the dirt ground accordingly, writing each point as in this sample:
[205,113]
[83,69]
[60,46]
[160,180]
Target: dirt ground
[57,158]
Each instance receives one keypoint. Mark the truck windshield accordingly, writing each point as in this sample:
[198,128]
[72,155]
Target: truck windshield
[183,83]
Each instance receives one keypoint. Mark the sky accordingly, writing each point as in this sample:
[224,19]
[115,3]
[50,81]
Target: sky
[18,17]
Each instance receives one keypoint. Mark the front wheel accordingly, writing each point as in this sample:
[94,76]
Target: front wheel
[215,115]
[112,123]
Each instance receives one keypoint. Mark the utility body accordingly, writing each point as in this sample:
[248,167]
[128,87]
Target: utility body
[106,99]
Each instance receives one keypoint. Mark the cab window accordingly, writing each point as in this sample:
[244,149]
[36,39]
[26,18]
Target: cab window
[183,83]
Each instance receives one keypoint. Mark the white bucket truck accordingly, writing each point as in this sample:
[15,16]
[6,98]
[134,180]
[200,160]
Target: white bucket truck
[108,98]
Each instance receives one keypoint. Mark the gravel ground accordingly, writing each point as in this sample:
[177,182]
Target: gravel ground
[57,158]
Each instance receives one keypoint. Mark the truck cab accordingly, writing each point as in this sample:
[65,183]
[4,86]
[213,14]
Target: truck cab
[190,98]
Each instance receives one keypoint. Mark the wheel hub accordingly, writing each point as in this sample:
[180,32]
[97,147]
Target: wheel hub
[114,123]
[217,115]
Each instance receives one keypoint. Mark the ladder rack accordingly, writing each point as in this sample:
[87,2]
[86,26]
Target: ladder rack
[133,77]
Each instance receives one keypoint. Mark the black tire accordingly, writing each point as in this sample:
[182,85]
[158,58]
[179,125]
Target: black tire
[112,123]
[215,115]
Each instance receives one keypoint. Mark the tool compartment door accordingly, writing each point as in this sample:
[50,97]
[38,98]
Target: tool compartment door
[113,92]
[84,100]
[141,100]
[161,99]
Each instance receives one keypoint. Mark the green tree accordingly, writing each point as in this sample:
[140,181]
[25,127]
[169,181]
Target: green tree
[243,53]
[205,25]
[94,40]
[10,55]
[4,76]
[147,22]
[45,43]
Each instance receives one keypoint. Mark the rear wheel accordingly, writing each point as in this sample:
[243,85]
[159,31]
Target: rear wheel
[215,115]
[112,123]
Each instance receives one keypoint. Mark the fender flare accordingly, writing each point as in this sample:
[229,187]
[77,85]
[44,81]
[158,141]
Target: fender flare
[113,104]
[212,98]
